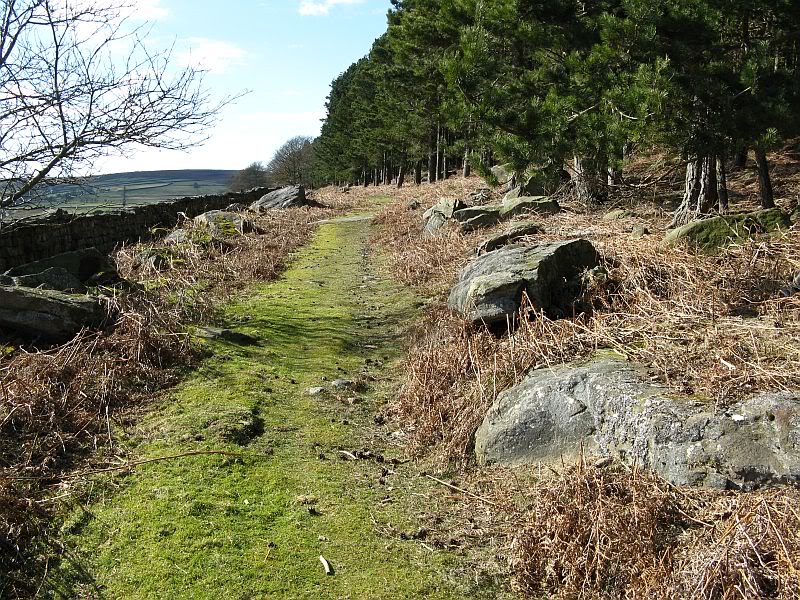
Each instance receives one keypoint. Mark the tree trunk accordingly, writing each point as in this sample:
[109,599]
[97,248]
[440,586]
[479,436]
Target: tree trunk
[764,181]
[591,179]
[365,176]
[418,173]
[467,167]
[431,168]
[700,192]
[722,185]
[401,177]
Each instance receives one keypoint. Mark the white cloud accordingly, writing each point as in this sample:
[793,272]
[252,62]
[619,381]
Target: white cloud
[149,10]
[214,56]
[316,8]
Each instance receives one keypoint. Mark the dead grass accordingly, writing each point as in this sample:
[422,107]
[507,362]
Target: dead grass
[601,532]
[60,405]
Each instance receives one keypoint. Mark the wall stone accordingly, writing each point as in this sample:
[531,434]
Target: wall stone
[22,243]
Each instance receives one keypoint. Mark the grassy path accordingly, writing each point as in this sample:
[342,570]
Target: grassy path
[221,527]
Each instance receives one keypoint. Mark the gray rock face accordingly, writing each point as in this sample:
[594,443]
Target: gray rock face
[532,187]
[54,278]
[478,217]
[437,215]
[49,314]
[540,205]
[514,232]
[179,236]
[83,265]
[223,224]
[504,174]
[288,197]
[490,289]
[606,407]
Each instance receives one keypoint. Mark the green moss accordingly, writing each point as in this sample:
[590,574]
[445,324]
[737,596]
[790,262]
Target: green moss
[217,526]
[711,234]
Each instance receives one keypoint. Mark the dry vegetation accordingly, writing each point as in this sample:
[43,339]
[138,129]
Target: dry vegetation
[715,326]
[60,405]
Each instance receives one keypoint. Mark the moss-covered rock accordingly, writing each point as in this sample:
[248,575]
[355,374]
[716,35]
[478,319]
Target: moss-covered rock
[540,205]
[710,234]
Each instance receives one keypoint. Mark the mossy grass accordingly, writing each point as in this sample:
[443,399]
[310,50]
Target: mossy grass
[254,527]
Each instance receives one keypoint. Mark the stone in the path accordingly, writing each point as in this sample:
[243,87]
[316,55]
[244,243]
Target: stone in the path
[222,224]
[490,289]
[342,383]
[288,197]
[607,407]
[226,335]
[716,232]
[514,232]
[49,314]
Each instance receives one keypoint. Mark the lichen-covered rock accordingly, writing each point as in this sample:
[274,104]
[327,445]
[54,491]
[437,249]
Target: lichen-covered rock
[511,234]
[288,197]
[617,214]
[48,314]
[606,407]
[490,289]
[540,205]
[222,224]
[716,232]
[504,174]
[54,278]
[83,265]
[437,215]
[478,217]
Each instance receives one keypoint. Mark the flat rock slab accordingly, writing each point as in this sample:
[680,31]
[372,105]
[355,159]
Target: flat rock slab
[478,217]
[606,407]
[540,205]
[514,232]
[83,265]
[49,314]
[288,197]
[710,234]
[54,278]
[490,289]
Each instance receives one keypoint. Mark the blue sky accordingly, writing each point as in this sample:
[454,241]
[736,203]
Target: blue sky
[285,52]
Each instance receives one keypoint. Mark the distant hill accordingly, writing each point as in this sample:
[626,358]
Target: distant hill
[118,190]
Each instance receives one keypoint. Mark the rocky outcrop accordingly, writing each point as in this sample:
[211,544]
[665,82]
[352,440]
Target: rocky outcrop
[490,289]
[84,265]
[512,233]
[222,224]
[539,205]
[478,217]
[716,232]
[54,278]
[288,197]
[437,215]
[49,314]
[606,407]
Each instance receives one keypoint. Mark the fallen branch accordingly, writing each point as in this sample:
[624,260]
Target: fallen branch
[465,492]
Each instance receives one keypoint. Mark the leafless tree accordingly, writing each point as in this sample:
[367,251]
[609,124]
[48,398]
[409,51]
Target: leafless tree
[77,83]
[293,162]
[253,176]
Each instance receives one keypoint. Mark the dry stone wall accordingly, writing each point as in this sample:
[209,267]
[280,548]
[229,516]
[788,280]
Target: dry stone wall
[24,243]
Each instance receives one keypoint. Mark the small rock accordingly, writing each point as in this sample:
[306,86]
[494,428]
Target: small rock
[414,205]
[288,197]
[222,224]
[227,335]
[639,231]
[617,215]
[342,383]
[315,391]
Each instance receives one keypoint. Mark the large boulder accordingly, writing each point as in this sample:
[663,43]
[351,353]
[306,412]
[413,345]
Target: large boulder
[54,278]
[504,174]
[540,205]
[437,215]
[532,187]
[716,232]
[222,224]
[512,233]
[607,407]
[490,289]
[48,314]
[88,265]
[288,197]
[478,217]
